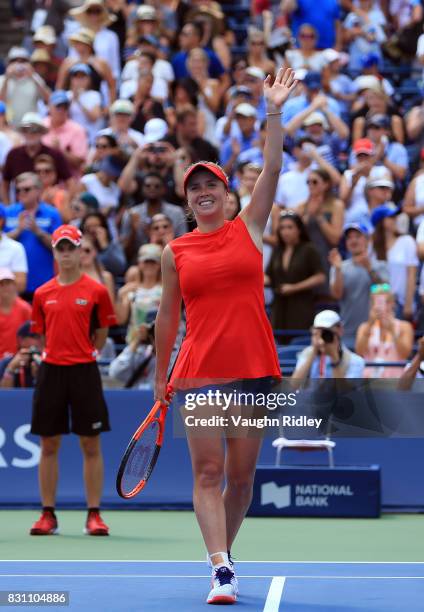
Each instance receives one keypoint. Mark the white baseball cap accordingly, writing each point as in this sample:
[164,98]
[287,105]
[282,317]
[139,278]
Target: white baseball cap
[315,118]
[327,319]
[155,129]
[256,72]
[245,109]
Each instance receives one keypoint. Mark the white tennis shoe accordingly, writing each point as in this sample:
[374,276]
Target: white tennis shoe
[223,591]
[234,580]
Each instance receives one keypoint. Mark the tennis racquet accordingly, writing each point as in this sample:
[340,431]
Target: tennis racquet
[142,452]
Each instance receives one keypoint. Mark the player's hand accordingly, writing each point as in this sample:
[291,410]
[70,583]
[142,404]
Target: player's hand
[160,392]
[284,83]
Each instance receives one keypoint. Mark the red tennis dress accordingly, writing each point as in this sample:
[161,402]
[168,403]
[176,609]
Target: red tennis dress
[228,333]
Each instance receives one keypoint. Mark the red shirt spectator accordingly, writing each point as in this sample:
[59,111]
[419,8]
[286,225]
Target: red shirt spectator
[13,312]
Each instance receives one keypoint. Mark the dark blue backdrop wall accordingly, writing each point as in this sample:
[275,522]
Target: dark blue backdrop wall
[400,459]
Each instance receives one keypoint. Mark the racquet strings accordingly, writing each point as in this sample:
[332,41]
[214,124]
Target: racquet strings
[141,458]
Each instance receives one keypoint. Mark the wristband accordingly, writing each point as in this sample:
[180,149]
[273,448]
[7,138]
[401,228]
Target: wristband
[272,114]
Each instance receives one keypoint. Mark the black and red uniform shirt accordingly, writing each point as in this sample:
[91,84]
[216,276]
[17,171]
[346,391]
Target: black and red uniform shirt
[68,316]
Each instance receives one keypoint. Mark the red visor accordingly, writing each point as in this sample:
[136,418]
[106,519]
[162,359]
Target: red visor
[67,232]
[214,168]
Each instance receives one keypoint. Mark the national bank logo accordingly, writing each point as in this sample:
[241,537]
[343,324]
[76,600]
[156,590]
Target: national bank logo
[318,495]
[271,493]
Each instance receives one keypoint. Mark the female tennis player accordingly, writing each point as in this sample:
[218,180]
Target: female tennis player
[217,271]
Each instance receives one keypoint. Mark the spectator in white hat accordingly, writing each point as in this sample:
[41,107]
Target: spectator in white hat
[327,356]
[378,191]
[328,132]
[246,118]
[122,114]
[94,15]
[21,88]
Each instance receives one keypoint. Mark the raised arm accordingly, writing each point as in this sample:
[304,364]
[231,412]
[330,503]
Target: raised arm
[256,214]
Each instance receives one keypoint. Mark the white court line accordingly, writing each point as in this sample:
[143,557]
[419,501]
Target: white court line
[197,561]
[307,576]
[273,600]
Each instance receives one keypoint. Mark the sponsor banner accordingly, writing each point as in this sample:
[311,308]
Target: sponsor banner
[317,491]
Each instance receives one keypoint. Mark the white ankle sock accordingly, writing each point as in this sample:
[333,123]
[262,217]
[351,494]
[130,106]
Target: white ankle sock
[224,563]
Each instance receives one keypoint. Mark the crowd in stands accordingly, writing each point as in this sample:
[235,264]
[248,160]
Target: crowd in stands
[107,102]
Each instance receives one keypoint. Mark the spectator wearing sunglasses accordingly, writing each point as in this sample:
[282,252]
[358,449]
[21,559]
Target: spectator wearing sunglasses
[32,222]
[136,221]
[156,156]
[307,55]
[53,193]
[323,16]
[104,145]
[323,215]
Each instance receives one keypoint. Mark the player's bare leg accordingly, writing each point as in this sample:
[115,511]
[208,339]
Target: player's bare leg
[207,458]
[48,469]
[240,464]
[92,469]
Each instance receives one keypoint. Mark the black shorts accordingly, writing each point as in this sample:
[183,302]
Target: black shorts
[77,387]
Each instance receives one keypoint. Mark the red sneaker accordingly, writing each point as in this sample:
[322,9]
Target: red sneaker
[46,525]
[95,526]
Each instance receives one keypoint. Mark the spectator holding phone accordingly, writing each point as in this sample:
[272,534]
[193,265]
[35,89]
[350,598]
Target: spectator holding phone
[21,369]
[328,357]
[351,279]
[384,338]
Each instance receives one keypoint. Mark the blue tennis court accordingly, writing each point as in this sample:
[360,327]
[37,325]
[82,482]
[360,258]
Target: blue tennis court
[113,586]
